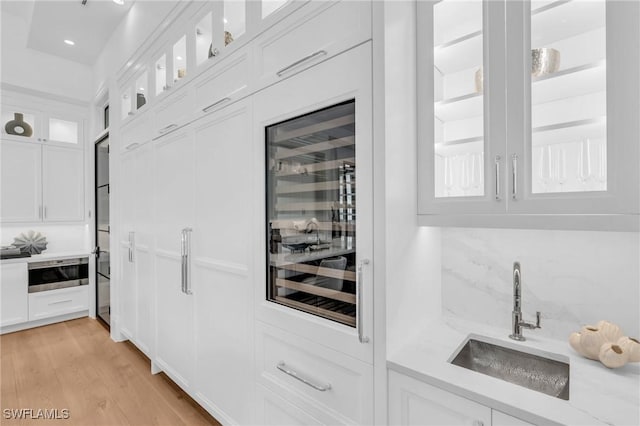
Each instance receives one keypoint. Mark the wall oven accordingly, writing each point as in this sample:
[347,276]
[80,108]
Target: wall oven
[60,273]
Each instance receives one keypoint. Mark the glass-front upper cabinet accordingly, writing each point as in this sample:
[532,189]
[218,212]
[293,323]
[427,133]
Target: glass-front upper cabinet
[179,59]
[142,90]
[234,20]
[160,69]
[271,6]
[312,213]
[461,90]
[547,124]
[204,39]
[126,103]
[20,123]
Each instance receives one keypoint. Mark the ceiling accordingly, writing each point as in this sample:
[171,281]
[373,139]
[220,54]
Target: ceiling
[50,22]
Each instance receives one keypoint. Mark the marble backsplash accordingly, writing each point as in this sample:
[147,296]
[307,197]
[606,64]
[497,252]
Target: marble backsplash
[573,277]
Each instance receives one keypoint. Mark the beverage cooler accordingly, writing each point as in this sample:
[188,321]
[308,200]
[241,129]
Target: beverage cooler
[311,213]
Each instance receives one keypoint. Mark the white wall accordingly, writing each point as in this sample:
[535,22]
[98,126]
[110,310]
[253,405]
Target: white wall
[39,71]
[573,277]
[412,253]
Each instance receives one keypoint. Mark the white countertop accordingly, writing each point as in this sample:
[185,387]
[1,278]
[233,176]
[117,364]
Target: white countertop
[598,395]
[48,256]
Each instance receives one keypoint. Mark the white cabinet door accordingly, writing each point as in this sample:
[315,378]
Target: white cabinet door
[276,411]
[13,291]
[174,212]
[412,402]
[127,318]
[21,176]
[222,234]
[62,184]
[342,79]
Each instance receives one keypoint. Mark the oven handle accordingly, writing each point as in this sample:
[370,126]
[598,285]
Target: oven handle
[59,262]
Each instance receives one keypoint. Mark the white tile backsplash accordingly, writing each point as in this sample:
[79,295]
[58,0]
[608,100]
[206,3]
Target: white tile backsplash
[573,277]
[60,238]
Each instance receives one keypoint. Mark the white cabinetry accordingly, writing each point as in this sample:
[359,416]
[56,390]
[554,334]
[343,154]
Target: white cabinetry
[412,402]
[21,182]
[14,303]
[52,303]
[508,139]
[174,183]
[222,264]
[344,78]
[41,183]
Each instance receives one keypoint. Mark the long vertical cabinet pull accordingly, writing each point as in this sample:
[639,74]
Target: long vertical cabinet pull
[186,261]
[497,160]
[132,245]
[361,337]
[514,176]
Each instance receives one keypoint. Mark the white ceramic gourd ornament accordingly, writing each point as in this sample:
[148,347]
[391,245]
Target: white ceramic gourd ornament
[591,340]
[631,346]
[612,355]
[610,331]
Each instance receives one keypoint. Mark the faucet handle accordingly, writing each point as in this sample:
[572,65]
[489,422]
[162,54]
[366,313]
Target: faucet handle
[537,319]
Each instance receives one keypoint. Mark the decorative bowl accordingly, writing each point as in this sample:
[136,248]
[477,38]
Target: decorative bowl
[544,60]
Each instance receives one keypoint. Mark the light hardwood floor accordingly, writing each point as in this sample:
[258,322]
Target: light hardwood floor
[74,365]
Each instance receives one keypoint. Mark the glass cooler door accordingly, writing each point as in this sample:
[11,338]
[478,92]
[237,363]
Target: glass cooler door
[311,213]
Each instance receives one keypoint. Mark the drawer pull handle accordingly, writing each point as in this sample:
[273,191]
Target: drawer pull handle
[514,176]
[300,61]
[287,370]
[167,128]
[205,109]
[497,165]
[61,301]
[132,145]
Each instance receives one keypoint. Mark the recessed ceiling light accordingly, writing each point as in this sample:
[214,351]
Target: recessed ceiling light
[179,58]
[142,89]
[225,20]
[70,42]
[120,2]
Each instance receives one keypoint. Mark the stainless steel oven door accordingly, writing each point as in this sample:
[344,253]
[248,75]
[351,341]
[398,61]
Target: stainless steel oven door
[55,274]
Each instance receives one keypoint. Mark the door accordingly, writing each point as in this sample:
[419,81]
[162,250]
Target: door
[21,182]
[574,140]
[103,230]
[315,130]
[127,292]
[62,184]
[174,214]
[14,303]
[461,107]
[222,233]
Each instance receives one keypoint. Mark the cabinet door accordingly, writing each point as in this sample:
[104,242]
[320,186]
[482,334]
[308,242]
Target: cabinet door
[62,184]
[65,130]
[461,107]
[127,318]
[222,233]
[412,402]
[174,212]
[337,304]
[14,301]
[573,143]
[21,182]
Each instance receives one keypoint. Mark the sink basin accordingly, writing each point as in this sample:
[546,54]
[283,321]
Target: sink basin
[542,372]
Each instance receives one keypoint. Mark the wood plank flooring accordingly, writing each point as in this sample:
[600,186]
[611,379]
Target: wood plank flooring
[74,365]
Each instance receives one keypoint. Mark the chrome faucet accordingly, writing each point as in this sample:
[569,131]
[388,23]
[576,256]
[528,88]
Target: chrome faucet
[516,315]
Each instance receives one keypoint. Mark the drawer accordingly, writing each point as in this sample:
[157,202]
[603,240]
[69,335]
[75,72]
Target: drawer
[135,133]
[273,410]
[174,111]
[318,380]
[51,303]
[223,84]
[305,38]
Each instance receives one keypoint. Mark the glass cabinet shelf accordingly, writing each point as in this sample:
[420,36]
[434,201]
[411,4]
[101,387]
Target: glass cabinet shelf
[311,209]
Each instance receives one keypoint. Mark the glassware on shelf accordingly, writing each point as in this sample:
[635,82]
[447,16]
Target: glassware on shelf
[601,175]
[477,171]
[545,171]
[585,173]
[560,169]
[465,173]
[449,166]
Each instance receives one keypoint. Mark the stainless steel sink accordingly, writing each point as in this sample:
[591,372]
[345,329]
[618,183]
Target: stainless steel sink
[546,373]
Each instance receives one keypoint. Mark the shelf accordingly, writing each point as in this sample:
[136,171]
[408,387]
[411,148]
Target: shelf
[325,272]
[456,20]
[315,206]
[460,108]
[336,316]
[314,128]
[282,153]
[576,81]
[460,56]
[459,142]
[572,131]
[305,169]
[332,185]
[565,19]
[316,290]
